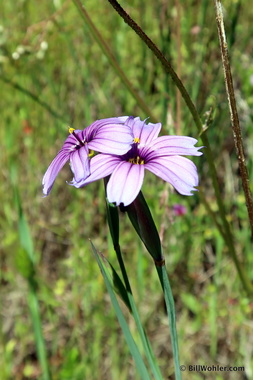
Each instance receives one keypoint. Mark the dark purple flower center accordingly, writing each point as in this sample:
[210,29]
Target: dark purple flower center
[79,140]
[133,155]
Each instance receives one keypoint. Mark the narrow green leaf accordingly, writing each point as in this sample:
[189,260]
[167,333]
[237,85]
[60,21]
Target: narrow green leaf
[26,264]
[169,301]
[37,327]
[128,299]
[120,288]
[141,367]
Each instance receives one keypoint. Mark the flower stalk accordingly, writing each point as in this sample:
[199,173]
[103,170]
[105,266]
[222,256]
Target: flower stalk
[113,222]
[233,111]
[142,221]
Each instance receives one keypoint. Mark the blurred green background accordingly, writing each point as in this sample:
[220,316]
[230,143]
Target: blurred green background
[53,74]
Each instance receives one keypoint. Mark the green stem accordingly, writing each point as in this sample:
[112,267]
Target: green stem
[142,220]
[106,50]
[113,222]
[134,350]
[144,339]
[169,69]
[170,306]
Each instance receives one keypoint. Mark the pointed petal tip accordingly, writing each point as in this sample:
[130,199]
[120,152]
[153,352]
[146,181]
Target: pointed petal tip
[46,189]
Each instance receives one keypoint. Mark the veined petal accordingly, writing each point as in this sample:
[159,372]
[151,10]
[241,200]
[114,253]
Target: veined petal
[112,139]
[149,132]
[125,183]
[178,171]
[56,165]
[101,166]
[93,128]
[141,130]
[79,162]
[71,142]
[175,145]
[110,120]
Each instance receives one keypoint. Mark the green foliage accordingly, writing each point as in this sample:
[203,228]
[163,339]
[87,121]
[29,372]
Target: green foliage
[53,75]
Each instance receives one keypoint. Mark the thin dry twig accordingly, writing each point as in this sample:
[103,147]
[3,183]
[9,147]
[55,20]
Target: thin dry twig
[233,111]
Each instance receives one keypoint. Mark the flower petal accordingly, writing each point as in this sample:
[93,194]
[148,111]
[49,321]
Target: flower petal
[112,139]
[71,142]
[80,163]
[178,171]
[101,166]
[149,132]
[145,132]
[110,120]
[125,183]
[56,165]
[174,145]
[93,128]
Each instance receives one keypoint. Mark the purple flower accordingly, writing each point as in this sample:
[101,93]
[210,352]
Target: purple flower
[106,135]
[179,209]
[160,155]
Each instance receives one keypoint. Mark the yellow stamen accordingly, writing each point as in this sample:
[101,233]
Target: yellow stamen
[136,140]
[140,161]
[71,130]
[137,161]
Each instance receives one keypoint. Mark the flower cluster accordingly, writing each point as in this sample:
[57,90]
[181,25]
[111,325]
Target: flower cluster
[126,146]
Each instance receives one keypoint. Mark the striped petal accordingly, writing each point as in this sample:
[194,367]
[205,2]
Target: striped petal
[112,139]
[79,162]
[144,132]
[101,166]
[93,128]
[125,183]
[178,171]
[56,165]
[173,146]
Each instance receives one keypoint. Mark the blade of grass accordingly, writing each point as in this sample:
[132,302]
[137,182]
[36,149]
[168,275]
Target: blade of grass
[141,367]
[128,298]
[169,301]
[29,270]
[33,302]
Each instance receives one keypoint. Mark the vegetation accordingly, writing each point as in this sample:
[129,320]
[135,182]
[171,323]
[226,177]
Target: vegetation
[56,312]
